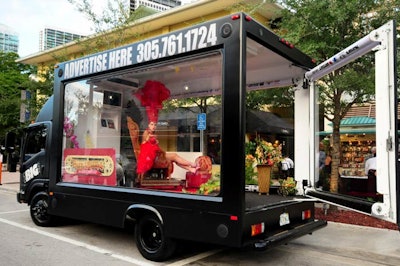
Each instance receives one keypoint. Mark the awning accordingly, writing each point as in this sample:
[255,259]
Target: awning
[258,122]
[356,131]
[267,122]
[364,124]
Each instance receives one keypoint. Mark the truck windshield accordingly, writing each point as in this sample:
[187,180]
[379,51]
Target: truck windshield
[154,127]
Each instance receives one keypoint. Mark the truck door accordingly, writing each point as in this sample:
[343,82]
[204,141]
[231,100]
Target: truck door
[368,126]
[33,156]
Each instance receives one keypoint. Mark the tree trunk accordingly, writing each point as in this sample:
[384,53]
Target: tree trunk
[334,182]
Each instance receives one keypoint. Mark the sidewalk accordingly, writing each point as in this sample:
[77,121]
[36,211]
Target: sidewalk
[10,181]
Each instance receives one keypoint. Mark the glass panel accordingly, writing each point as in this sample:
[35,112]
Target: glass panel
[269,136]
[155,127]
[345,158]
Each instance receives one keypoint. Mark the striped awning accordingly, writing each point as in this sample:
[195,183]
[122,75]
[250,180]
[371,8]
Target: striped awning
[354,125]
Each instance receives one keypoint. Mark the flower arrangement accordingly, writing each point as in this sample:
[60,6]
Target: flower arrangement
[267,153]
[288,187]
[251,175]
[260,152]
[69,132]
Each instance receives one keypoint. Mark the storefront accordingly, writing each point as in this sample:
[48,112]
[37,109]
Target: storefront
[356,141]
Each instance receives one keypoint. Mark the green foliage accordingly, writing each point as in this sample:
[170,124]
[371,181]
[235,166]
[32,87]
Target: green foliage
[324,28]
[277,97]
[201,102]
[265,152]
[321,29]
[250,174]
[211,187]
[40,88]
[287,187]
[13,78]
[114,17]
[250,7]
[250,148]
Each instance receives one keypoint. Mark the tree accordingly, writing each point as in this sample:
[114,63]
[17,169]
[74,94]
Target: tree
[276,97]
[40,88]
[13,78]
[115,18]
[322,29]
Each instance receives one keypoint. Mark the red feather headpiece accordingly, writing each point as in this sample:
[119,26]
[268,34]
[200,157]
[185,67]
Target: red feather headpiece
[151,97]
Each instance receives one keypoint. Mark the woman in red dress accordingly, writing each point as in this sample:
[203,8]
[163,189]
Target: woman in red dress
[149,149]
[151,97]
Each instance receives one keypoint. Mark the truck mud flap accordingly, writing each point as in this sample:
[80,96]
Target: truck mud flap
[20,197]
[286,236]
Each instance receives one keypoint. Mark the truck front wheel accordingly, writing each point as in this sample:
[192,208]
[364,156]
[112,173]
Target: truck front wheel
[151,240]
[38,209]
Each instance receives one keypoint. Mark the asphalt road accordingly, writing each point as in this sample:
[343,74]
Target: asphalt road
[75,243]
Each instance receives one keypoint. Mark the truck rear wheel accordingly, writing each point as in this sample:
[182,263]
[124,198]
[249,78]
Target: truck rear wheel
[38,209]
[151,240]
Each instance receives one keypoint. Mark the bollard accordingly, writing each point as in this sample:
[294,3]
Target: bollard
[1,172]
[1,165]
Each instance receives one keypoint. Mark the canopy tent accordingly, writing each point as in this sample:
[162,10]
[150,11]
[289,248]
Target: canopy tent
[257,122]
[267,122]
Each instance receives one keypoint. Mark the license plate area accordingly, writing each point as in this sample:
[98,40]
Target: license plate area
[284,219]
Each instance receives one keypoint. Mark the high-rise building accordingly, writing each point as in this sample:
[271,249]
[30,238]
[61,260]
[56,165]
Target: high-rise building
[50,38]
[9,40]
[159,5]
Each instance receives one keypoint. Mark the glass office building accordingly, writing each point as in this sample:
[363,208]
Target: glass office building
[8,39]
[50,38]
[158,5]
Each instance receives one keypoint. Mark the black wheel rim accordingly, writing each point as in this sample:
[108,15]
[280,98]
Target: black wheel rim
[151,236]
[39,211]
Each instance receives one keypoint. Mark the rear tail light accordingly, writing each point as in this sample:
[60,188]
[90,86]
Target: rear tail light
[234,218]
[257,229]
[306,214]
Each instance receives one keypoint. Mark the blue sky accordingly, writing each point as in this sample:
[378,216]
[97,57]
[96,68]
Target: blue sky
[28,17]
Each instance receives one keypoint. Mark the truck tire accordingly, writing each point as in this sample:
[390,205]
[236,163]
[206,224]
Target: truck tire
[38,209]
[151,240]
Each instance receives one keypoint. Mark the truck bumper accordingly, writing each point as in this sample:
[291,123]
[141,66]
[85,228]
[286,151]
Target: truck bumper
[284,237]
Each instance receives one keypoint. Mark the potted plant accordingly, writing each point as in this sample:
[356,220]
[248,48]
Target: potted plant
[266,155]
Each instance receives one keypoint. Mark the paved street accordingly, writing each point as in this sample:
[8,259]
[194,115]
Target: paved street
[337,244]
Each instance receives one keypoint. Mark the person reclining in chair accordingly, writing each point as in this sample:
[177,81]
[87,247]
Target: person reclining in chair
[149,150]
[151,96]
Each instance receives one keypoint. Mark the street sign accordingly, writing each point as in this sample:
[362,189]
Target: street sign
[201,121]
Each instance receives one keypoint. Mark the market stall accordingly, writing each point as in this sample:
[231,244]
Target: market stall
[357,139]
